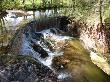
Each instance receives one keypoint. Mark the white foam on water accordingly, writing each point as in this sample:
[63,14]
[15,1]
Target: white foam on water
[52,39]
[48,35]
[63,75]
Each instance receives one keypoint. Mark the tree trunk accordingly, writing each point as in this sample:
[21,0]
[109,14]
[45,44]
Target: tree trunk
[23,2]
[100,13]
[44,3]
[51,2]
[33,3]
[62,2]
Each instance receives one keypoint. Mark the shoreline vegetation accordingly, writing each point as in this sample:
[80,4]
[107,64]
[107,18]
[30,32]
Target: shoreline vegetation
[32,26]
[31,5]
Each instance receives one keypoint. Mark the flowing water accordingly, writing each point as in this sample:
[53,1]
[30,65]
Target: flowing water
[16,19]
[52,43]
[51,40]
[45,39]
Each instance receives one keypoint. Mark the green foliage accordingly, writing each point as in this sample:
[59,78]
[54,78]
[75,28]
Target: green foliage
[80,9]
[83,7]
[28,4]
[9,4]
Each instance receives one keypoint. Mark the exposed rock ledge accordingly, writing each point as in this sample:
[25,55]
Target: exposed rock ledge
[15,68]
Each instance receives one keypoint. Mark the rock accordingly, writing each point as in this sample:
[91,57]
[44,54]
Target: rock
[24,69]
[37,36]
[64,21]
[60,63]
[40,50]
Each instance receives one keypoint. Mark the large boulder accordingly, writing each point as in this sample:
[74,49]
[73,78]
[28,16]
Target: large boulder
[15,68]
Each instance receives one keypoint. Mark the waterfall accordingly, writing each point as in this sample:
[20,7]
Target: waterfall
[51,40]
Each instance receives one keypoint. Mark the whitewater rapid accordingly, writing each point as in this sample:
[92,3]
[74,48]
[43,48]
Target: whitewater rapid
[55,39]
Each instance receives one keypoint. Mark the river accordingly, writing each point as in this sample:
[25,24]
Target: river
[51,46]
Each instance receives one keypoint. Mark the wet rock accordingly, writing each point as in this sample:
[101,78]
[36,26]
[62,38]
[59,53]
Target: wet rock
[24,69]
[64,21]
[60,63]
[37,36]
[40,50]
[53,31]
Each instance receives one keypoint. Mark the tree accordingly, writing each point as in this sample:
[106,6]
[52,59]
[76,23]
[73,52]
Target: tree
[44,3]
[100,12]
[51,1]
[23,1]
[33,3]
[1,5]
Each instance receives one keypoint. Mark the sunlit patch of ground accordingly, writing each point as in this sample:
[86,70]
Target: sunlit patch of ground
[76,60]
